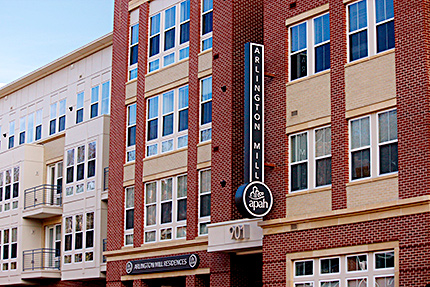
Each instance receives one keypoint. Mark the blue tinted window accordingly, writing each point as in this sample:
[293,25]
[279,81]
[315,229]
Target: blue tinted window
[298,37]
[155,24]
[207,89]
[183,97]
[170,18]
[153,108]
[134,34]
[207,5]
[357,16]
[185,11]
[384,10]
[322,29]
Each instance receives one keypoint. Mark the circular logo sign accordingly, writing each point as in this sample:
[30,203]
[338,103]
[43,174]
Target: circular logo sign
[193,260]
[129,267]
[254,199]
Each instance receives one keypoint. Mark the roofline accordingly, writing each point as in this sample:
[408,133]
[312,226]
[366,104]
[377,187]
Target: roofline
[60,63]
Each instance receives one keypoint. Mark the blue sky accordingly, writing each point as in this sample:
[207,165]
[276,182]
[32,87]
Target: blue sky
[34,33]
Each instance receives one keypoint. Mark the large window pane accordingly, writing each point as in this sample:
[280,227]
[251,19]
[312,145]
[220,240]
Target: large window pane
[360,164]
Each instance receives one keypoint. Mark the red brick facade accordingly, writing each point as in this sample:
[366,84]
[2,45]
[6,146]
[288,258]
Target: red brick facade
[235,23]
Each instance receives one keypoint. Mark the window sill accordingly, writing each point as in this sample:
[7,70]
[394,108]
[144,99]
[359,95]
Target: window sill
[208,142]
[372,179]
[165,154]
[131,81]
[308,191]
[130,163]
[205,52]
[368,58]
[308,78]
[167,67]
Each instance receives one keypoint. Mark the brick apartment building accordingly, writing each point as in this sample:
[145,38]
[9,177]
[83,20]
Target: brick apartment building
[346,116]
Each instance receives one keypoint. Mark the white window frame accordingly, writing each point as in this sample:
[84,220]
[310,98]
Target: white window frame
[177,47]
[351,150]
[80,107]
[310,47]
[30,128]
[38,123]
[174,137]
[105,98]
[62,114]
[130,149]
[158,226]
[371,28]
[207,127]
[85,248]
[379,144]
[356,271]
[95,101]
[205,219]
[53,118]
[291,163]
[332,273]
[11,137]
[304,276]
[22,126]
[207,36]
[128,233]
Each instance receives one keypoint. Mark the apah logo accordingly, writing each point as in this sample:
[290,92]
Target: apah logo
[254,199]
[257,199]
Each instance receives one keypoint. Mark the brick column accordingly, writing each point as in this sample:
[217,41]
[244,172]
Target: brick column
[140,125]
[412,24]
[339,125]
[193,121]
[115,232]
[220,269]
[195,281]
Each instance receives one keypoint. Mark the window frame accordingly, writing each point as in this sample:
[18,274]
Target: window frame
[158,226]
[11,137]
[372,35]
[389,142]
[94,101]
[80,107]
[176,135]
[130,149]
[178,47]
[203,219]
[207,127]
[361,148]
[310,48]
[128,232]
[205,36]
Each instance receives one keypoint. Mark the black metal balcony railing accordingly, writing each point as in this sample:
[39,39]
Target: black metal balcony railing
[45,194]
[40,259]
[104,249]
[106,178]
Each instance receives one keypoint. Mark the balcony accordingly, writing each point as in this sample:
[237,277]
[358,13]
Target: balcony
[43,201]
[41,263]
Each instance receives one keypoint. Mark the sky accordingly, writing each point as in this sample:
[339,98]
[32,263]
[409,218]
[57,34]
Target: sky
[34,33]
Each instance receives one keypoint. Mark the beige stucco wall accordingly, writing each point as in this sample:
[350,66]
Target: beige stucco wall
[165,163]
[372,192]
[310,97]
[130,89]
[204,153]
[54,149]
[370,81]
[205,61]
[309,202]
[166,76]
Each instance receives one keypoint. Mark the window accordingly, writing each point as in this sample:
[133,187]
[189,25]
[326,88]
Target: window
[30,128]
[105,97]
[129,215]
[79,107]
[167,121]
[387,141]
[206,110]
[131,132]
[207,20]
[360,148]
[204,201]
[78,238]
[364,26]
[166,209]
[38,135]
[11,134]
[304,61]
[22,130]
[10,248]
[373,145]
[53,119]
[310,159]
[62,116]
[134,44]
[299,161]
[94,102]
[353,270]
[9,187]
[89,235]
[85,156]
[169,35]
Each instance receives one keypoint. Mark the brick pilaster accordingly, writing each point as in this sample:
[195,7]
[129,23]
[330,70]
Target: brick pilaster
[140,126]
[339,125]
[115,232]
